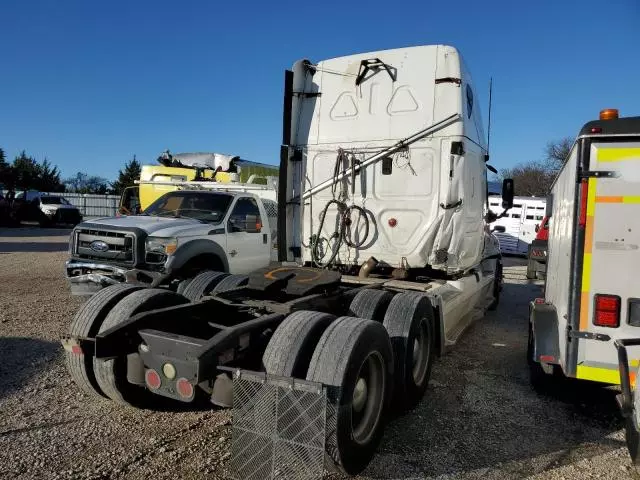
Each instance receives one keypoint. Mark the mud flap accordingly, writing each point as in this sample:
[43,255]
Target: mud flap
[629,401]
[544,324]
[279,427]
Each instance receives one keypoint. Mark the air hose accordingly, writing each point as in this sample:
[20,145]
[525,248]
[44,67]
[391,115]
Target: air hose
[342,234]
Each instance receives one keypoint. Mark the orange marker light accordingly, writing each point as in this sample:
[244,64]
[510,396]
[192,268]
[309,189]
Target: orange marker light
[609,114]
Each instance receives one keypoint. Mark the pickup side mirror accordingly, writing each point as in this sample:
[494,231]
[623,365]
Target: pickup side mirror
[507,193]
[250,224]
[253,224]
[499,229]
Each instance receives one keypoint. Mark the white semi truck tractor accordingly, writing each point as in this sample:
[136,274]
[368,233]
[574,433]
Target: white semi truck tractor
[385,258]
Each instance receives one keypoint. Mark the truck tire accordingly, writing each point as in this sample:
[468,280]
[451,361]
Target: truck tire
[231,282]
[531,269]
[202,284]
[86,323]
[354,360]
[111,375]
[497,286]
[370,304]
[182,285]
[292,345]
[411,326]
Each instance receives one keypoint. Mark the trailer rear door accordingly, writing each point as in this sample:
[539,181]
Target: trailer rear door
[610,290]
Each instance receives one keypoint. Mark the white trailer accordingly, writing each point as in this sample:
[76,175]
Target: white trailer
[385,258]
[519,223]
[591,304]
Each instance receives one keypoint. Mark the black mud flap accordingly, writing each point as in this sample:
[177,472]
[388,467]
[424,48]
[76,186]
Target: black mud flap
[629,401]
[543,318]
[279,427]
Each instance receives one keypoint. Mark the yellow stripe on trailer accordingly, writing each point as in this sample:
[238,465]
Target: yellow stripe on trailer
[618,199]
[605,375]
[618,154]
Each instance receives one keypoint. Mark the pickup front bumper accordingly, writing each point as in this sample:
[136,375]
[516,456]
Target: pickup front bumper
[86,278]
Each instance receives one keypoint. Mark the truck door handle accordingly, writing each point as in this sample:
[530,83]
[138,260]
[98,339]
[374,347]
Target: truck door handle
[233,253]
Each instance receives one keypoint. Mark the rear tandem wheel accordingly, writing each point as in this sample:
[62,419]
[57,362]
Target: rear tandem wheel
[292,345]
[355,361]
[111,375]
[410,323]
[86,323]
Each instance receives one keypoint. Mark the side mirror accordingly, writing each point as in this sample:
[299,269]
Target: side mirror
[537,228]
[549,206]
[250,224]
[499,229]
[507,193]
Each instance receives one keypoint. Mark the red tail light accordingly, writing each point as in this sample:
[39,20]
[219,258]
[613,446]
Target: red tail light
[185,389]
[607,311]
[152,379]
[584,195]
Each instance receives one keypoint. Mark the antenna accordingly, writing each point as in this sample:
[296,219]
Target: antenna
[489,126]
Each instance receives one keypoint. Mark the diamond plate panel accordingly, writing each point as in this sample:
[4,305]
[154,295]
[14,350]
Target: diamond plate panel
[278,428]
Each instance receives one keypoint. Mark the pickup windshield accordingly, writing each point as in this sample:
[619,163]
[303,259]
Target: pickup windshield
[54,201]
[204,206]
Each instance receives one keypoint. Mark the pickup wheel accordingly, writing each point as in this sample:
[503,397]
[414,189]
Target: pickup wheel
[111,375]
[410,323]
[86,323]
[231,282]
[355,361]
[202,284]
[370,304]
[291,347]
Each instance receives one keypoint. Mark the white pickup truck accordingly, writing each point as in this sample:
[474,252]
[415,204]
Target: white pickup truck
[178,236]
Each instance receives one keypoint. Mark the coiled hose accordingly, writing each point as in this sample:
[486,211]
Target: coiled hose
[342,234]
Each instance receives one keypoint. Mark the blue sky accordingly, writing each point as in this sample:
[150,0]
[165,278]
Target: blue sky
[88,84]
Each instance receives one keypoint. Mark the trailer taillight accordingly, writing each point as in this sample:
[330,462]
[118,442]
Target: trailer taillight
[152,379]
[184,388]
[607,311]
[584,196]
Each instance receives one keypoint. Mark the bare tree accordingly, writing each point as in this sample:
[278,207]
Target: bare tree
[556,152]
[534,178]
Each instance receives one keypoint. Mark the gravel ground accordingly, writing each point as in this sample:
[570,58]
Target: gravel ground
[479,418]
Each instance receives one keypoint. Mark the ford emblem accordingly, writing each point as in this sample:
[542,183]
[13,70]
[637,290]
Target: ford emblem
[99,246]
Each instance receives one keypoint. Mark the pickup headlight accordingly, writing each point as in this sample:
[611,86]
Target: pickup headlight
[48,211]
[163,246]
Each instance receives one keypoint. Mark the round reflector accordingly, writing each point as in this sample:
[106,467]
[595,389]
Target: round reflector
[169,371]
[392,222]
[152,379]
[185,389]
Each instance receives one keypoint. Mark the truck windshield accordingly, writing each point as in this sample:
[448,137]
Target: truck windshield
[204,206]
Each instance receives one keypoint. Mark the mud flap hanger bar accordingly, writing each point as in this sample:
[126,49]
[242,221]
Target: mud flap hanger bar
[371,65]
[384,153]
[626,404]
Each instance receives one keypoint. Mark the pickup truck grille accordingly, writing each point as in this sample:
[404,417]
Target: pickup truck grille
[104,245]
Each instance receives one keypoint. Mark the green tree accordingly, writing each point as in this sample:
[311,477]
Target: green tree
[28,174]
[128,176]
[6,171]
[25,171]
[49,178]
